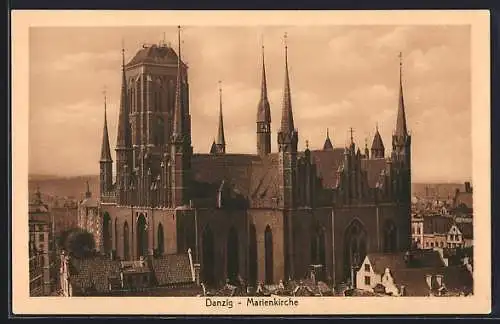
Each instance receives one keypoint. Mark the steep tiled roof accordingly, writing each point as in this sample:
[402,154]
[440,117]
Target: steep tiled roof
[396,261]
[467,230]
[455,278]
[154,54]
[437,224]
[172,269]
[381,261]
[92,274]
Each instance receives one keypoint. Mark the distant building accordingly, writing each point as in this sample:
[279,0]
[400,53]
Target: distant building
[41,242]
[168,275]
[431,231]
[40,255]
[65,217]
[37,263]
[88,216]
[421,273]
[462,202]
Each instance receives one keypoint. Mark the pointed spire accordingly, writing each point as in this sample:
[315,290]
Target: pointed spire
[213,148]
[287,125]
[263,87]
[105,149]
[88,194]
[221,141]
[178,122]
[377,149]
[38,195]
[401,129]
[264,110]
[328,143]
[124,137]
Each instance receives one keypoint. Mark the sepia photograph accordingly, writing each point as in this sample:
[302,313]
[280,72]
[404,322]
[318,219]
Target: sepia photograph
[253,166]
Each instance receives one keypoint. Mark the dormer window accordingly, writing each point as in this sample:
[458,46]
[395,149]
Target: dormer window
[367,267]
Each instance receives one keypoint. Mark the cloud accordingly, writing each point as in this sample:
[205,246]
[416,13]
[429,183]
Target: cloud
[83,59]
[341,77]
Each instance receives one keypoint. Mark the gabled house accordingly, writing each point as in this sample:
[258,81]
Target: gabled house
[416,273]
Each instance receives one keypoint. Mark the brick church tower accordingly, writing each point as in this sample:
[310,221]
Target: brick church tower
[263,116]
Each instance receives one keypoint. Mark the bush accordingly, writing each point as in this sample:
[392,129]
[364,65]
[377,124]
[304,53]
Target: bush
[77,242]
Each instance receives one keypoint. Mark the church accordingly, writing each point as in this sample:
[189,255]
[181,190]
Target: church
[263,216]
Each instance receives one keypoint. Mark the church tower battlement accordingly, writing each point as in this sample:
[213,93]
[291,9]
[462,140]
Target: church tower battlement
[154,129]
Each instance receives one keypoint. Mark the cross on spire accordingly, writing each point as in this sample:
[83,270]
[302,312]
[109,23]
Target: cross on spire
[307,144]
[400,56]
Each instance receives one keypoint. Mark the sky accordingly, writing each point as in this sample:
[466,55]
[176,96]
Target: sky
[341,77]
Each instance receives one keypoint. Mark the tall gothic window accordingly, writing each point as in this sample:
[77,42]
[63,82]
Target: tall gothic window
[106,231]
[126,242]
[390,236]
[142,236]
[268,247]
[252,255]
[355,247]
[208,266]
[318,245]
[232,254]
[161,239]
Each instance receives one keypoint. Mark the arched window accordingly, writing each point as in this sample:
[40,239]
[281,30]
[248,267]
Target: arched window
[318,245]
[126,242]
[252,256]
[159,132]
[232,254]
[106,231]
[116,235]
[142,236]
[390,237]
[355,247]
[137,95]
[161,246]
[208,266]
[268,247]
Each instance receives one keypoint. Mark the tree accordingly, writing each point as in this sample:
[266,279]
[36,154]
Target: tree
[77,242]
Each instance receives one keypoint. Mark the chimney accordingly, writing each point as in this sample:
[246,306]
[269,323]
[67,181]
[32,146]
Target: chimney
[428,279]
[439,280]
[468,187]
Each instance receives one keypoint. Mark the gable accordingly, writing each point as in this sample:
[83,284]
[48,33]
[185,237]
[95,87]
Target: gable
[454,230]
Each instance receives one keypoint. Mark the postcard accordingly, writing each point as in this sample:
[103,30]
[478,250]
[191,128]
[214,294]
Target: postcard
[264,162]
